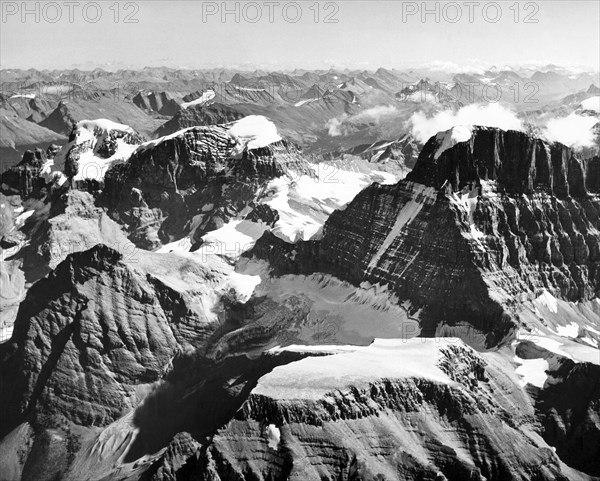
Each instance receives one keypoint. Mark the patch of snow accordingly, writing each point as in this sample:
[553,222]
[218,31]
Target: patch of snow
[155,142]
[328,349]
[231,240]
[542,340]
[244,285]
[304,102]
[21,218]
[592,329]
[248,89]
[204,98]
[532,371]
[593,103]
[591,342]
[103,125]
[305,202]
[23,96]
[91,166]
[407,214]
[547,300]
[6,330]
[571,330]
[475,233]
[273,436]
[449,138]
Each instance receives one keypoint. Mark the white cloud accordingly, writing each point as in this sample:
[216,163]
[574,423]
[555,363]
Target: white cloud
[574,131]
[469,66]
[337,126]
[488,115]
[375,113]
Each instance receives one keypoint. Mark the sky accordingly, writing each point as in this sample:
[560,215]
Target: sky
[304,34]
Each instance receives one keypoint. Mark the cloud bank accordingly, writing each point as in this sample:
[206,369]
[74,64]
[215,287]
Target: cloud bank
[423,127]
[338,126]
[575,131]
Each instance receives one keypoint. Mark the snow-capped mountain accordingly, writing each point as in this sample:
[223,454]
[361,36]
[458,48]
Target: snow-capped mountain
[273,289]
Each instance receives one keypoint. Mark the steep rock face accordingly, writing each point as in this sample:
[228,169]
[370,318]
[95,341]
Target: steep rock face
[537,218]
[519,163]
[569,412]
[484,222]
[406,237]
[160,102]
[164,189]
[60,120]
[96,330]
[24,178]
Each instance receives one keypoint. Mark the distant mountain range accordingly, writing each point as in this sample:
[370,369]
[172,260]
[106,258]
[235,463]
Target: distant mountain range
[324,111]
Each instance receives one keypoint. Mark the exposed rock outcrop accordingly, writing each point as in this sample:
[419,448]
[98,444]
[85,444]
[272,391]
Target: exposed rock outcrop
[162,192]
[24,178]
[519,163]
[200,115]
[479,226]
[569,411]
[97,329]
[159,102]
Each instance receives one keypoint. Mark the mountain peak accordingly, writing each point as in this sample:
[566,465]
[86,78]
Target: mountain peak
[519,162]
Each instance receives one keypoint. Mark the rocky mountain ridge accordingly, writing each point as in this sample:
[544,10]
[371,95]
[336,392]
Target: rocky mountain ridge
[470,220]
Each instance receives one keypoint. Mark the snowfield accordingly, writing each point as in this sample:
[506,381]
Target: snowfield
[90,133]
[305,202]
[532,371]
[313,377]
[252,132]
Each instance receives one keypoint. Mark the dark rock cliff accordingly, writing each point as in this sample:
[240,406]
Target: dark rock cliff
[472,232]
[520,163]
[160,102]
[24,178]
